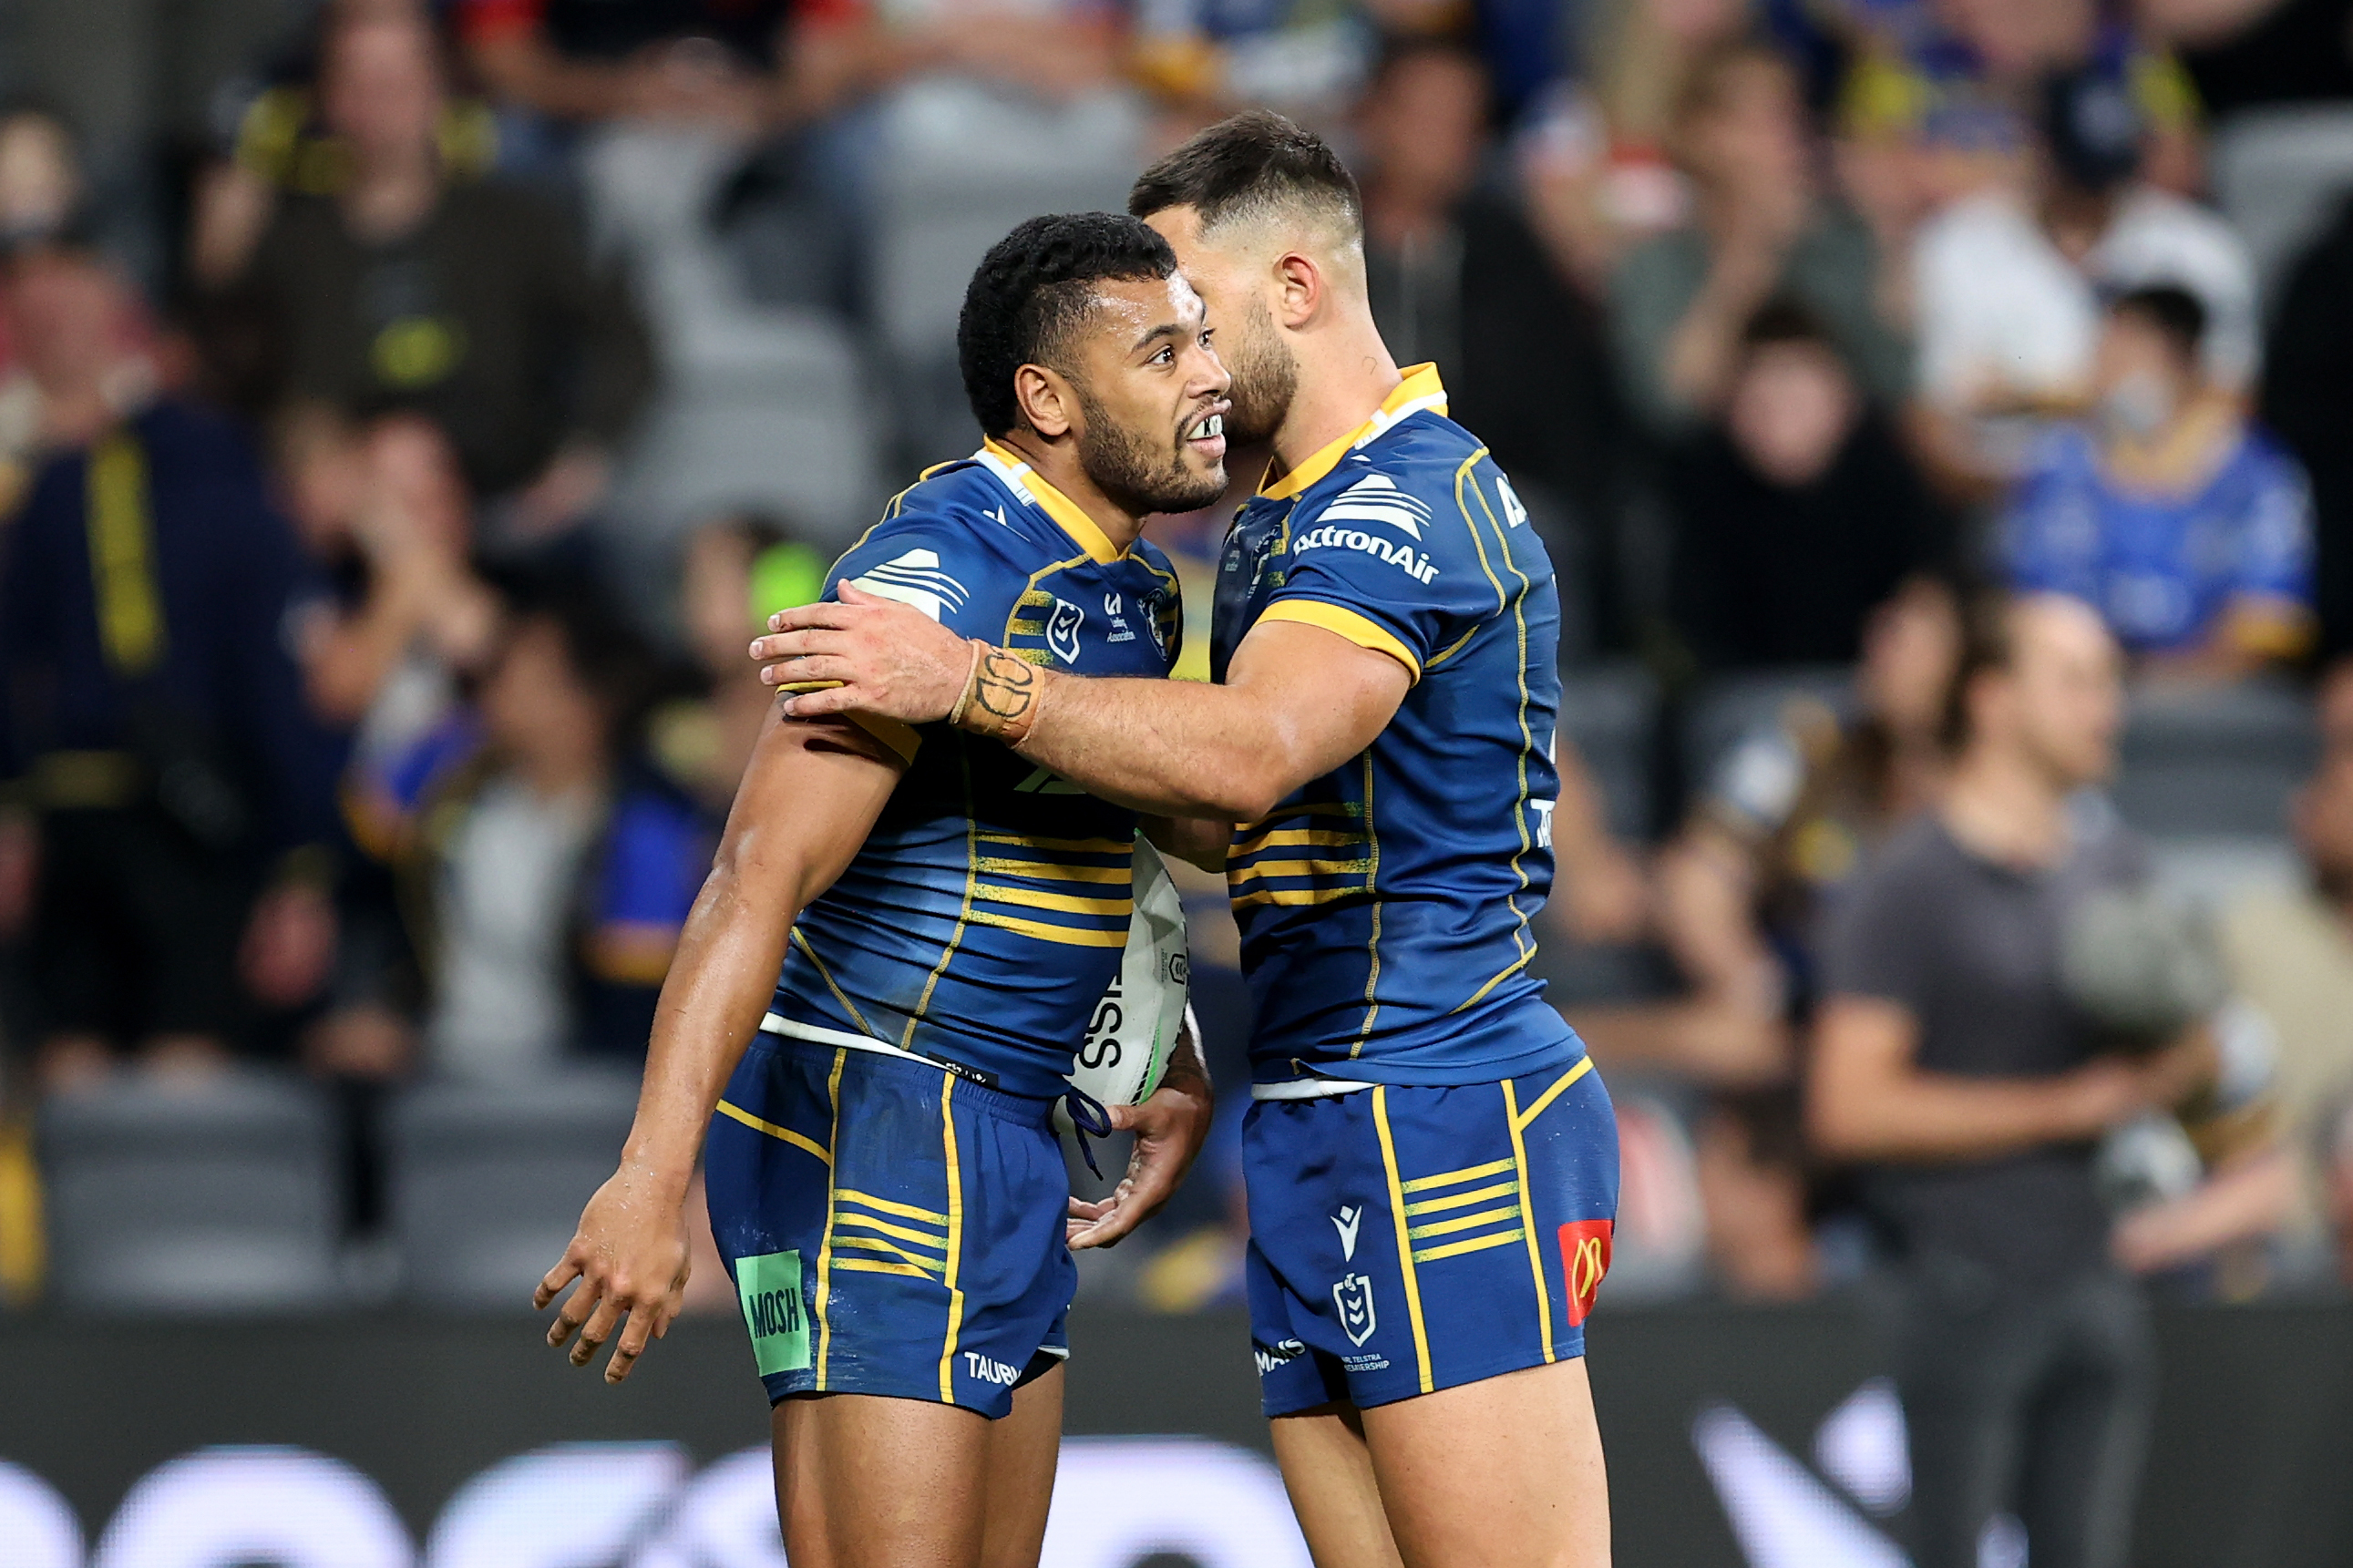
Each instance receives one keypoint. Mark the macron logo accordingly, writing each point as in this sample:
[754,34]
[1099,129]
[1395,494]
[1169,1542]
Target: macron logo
[1376,498]
[1346,1223]
[915,579]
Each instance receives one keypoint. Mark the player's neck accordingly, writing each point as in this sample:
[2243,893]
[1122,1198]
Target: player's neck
[1344,376]
[1057,463]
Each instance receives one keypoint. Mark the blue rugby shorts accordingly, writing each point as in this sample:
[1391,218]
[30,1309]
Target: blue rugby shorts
[1408,1240]
[892,1228]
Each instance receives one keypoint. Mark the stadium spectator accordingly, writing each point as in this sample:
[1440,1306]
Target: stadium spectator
[152,719]
[1596,151]
[2191,532]
[2254,54]
[1762,229]
[2307,398]
[467,301]
[1957,85]
[1457,277]
[2007,284]
[2291,956]
[736,572]
[1949,1064]
[549,864]
[1796,511]
[1777,835]
[710,60]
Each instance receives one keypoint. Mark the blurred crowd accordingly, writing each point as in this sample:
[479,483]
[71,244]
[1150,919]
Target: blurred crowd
[409,407]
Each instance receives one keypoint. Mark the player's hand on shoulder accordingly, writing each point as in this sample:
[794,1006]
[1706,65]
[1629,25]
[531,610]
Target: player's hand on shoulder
[864,654]
[631,1258]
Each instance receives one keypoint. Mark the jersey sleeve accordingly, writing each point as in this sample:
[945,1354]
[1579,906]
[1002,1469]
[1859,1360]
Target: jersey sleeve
[1403,570]
[931,562]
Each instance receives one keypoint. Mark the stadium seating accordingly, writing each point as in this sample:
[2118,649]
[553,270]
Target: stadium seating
[214,1196]
[1610,713]
[2215,761]
[2278,175]
[960,165]
[487,1183]
[760,407]
[1730,708]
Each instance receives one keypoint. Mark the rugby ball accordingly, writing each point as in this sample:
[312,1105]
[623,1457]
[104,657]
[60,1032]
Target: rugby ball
[1135,1026]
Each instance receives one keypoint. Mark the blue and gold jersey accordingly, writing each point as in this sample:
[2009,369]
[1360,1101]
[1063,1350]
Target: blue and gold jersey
[1387,909]
[985,915]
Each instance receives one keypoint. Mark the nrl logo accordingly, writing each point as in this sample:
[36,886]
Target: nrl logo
[1353,1297]
[1062,631]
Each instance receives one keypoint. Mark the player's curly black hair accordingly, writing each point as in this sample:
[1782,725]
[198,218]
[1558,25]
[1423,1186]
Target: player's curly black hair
[1031,289]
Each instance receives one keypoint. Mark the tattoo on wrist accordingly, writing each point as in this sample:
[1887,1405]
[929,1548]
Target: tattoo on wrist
[1001,696]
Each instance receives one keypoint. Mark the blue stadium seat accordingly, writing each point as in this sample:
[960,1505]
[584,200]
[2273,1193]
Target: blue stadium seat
[211,1196]
[487,1183]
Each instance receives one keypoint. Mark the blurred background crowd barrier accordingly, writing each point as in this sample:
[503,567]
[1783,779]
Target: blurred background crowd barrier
[1769,1439]
[407,408]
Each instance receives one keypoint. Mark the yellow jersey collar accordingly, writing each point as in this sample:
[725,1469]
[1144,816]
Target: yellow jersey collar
[1421,389]
[1024,481]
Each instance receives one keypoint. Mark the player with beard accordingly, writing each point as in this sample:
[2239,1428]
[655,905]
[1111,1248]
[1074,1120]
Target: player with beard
[1431,1164]
[902,940]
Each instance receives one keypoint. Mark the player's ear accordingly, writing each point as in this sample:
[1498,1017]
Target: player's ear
[1047,405]
[1299,287]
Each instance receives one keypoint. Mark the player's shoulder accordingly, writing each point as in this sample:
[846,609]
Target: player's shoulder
[1428,477]
[943,544]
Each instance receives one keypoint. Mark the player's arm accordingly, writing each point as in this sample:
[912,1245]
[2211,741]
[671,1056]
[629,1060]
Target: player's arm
[808,800]
[1868,1099]
[1297,701]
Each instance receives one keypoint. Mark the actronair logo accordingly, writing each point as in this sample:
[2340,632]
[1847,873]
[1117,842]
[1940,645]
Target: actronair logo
[1330,536]
[1376,498]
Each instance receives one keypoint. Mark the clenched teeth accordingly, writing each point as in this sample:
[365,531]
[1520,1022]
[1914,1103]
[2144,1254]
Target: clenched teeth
[1214,424]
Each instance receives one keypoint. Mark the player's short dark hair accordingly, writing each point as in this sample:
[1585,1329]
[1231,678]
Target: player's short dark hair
[1031,287]
[1255,161]
[2173,311]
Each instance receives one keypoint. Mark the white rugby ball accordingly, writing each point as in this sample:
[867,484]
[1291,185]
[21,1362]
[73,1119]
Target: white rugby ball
[1135,1026]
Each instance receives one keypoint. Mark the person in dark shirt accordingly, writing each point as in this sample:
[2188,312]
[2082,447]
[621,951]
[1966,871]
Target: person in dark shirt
[1797,513]
[1457,277]
[1950,1066]
[469,301]
[152,719]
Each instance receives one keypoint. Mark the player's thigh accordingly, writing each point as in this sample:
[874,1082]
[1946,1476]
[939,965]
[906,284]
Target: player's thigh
[1329,1475]
[869,1481]
[1019,1482]
[1503,1473]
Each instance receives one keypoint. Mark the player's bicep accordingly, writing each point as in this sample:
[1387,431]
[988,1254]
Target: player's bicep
[811,794]
[1324,697]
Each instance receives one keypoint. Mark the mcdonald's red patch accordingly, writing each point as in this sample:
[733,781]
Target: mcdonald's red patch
[1583,1259]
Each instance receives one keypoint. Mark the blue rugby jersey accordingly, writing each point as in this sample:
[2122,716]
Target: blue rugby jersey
[1386,908]
[985,916]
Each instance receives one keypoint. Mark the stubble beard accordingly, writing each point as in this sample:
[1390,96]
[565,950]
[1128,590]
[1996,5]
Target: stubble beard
[1138,476]
[1266,378]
